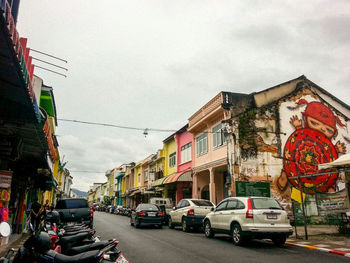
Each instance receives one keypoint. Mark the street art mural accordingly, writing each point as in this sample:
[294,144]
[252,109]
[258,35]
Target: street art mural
[314,139]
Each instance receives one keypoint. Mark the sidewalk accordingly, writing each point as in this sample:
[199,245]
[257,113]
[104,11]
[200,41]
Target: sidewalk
[321,237]
[16,241]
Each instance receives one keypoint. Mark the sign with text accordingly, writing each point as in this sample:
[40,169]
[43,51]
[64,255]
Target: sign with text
[244,188]
[5,179]
[332,203]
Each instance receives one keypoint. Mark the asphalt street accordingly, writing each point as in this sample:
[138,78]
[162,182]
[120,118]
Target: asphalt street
[150,245]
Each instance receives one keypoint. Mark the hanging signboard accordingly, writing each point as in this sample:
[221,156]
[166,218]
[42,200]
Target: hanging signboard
[5,179]
[244,188]
[332,203]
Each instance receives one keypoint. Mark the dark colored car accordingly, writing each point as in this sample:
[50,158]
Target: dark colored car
[75,210]
[146,214]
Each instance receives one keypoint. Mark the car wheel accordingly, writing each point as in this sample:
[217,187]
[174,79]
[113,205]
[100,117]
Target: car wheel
[236,234]
[160,226]
[185,227]
[170,223]
[208,231]
[279,240]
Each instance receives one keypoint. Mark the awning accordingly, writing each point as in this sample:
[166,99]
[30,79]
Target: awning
[135,192]
[343,160]
[158,182]
[179,177]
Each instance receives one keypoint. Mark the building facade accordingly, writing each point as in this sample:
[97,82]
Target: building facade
[281,137]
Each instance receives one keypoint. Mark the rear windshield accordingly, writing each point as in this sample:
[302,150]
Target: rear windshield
[202,203]
[147,207]
[72,203]
[265,203]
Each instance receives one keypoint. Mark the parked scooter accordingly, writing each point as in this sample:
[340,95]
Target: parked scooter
[37,250]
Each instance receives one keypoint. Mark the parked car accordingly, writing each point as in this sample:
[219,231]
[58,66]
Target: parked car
[75,210]
[146,214]
[189,213]
[249,217]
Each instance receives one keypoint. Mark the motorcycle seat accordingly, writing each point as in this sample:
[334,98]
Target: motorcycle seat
[82,249]
[72,233]
[87,257]
[75,238]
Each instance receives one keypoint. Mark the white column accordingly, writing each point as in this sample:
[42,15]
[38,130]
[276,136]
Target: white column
[212,186]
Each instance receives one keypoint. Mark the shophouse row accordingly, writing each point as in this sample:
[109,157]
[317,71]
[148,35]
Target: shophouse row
[29,156]
[267,143]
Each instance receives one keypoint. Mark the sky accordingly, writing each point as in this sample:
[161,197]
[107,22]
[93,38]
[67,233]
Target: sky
[154,63]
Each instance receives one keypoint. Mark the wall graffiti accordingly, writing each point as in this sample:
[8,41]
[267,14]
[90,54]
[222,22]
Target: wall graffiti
[314,140]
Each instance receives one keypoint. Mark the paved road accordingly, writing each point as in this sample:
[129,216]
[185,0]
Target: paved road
[150,245]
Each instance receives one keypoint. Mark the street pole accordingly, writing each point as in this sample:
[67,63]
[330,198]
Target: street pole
[295,222]
[303,208]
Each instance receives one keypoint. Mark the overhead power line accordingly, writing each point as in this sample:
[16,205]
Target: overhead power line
[145,130]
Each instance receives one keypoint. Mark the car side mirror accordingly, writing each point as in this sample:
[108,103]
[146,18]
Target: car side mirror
[212,209]
[174,208]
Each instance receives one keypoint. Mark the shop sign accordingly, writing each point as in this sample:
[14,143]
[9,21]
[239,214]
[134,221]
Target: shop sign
[332,203]
[5,179]
[244,188]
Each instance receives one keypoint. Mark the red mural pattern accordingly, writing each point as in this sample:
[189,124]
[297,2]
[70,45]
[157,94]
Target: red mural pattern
[304,150]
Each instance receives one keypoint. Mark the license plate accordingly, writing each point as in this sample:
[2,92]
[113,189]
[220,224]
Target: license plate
[151,214]
[271,216]
[121,259]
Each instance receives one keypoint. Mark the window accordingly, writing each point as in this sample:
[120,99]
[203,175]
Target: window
[231,204]
[186,153]
[147,207]
[172,160]
[72,203]
[139,178]
[185,203]
[146,175]
[221,206]
[202,203]
[179,204]
[202,144]
[240,205]
[218,137]
[265,203]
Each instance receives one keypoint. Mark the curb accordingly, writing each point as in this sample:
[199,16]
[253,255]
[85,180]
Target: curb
[337,252]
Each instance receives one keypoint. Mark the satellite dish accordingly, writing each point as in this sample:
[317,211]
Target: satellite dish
[5,229]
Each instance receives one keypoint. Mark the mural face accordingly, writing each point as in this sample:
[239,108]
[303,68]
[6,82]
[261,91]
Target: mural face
[312,142]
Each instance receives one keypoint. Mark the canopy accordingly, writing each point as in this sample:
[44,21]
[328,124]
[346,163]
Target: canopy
[179,177]
[158,182]
[343,160]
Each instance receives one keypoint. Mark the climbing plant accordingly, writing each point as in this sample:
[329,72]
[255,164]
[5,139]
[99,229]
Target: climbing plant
[247,134]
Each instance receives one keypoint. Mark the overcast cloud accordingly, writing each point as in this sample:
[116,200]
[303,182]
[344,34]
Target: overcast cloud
[154,63]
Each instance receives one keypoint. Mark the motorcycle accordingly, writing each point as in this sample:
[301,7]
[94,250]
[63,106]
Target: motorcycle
[37,250]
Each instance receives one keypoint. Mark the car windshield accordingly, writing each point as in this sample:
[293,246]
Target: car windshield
[265,203]
[147,207]
[202,203]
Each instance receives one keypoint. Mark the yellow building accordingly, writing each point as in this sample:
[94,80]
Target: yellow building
[138,175]
[170,167]
[169,146]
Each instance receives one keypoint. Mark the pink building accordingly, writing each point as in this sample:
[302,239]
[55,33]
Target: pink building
[179,184]
[209,151]
[184,142]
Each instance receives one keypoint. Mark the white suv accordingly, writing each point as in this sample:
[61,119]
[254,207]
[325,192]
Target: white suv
[189,213]
[249,217]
